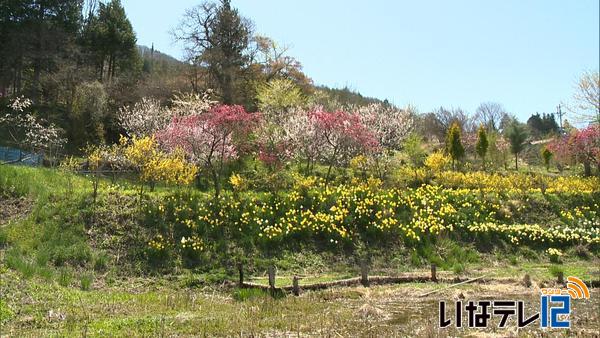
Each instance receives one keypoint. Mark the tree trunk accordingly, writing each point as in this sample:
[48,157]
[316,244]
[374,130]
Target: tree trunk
[328,172]
[215,176]
[516,162]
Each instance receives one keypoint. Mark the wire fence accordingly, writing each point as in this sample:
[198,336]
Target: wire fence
[13,155]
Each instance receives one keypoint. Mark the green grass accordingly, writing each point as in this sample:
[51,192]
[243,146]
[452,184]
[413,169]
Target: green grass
[59,280]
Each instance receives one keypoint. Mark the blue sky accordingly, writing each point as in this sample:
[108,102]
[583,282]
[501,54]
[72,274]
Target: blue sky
[524,54]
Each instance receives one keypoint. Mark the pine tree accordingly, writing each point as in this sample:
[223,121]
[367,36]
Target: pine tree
[454,145]
[482,144]
[546,156]
[516,135]
[111,41]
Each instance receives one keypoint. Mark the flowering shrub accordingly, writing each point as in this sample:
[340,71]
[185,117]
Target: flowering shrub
[437,162]
[153,165]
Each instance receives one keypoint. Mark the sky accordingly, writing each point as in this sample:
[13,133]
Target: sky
[526,55]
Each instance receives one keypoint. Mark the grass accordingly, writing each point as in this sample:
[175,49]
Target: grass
[57,282]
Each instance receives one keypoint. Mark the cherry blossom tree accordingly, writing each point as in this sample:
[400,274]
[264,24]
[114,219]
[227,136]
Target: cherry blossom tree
[208,138]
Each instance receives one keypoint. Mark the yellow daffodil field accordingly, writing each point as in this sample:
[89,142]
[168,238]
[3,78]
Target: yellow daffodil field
[541,212]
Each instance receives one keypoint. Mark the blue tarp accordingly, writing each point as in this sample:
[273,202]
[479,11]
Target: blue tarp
[12,155]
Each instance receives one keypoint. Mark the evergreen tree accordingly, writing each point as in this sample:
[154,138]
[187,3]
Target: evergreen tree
[546,156]
[516,135]
[482,144]
[34,37]
[454,145]
[111,41]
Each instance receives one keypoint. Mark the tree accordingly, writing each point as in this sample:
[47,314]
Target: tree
[482,144]
[208,139]
[498,149]
[147,116]
[516,135]
[275,64]
[585,145]
[300,129]
[454,145]
[217,39]
[546,156]
[541,126]
[389,126]
[586,99]
[490,114]
[110,40]
[278,96]
[88,112]
[34,37]
[342,136]
[413,146]
[29,132]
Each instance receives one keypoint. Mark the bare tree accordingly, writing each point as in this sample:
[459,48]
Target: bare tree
[438,122]
[490,114]
[586,99]
[216,38]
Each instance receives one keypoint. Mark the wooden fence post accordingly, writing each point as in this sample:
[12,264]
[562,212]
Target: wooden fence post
[433,273]
[272,277]
[364,273]
[295,286]
[561,277]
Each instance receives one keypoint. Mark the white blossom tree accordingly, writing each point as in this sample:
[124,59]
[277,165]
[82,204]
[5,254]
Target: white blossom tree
[147,117]
[390,126]
[30,132]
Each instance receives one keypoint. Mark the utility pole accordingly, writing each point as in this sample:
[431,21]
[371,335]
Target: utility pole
[560,115]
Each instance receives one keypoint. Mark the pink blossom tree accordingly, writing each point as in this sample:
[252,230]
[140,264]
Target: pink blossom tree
[209,139]
[341,136]
[580,146]
[585,144]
